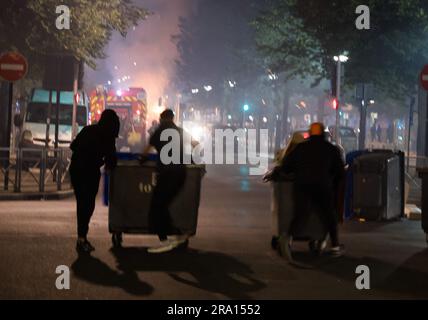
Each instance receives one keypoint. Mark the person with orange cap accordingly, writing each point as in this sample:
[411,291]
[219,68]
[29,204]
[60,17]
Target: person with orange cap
[318,168]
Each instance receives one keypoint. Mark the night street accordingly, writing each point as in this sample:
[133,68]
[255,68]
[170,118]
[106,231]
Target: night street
[230,257]
[209,157]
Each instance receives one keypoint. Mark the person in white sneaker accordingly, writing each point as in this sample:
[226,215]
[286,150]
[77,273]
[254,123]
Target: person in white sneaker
[170,180]
[170,243]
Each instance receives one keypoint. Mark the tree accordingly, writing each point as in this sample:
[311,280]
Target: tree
[215,45]
[29,27]
[301,38]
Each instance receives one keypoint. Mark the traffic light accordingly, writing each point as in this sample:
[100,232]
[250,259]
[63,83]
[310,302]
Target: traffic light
[334,103]
[246,107]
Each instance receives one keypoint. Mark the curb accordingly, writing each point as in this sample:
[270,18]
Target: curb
[57,195]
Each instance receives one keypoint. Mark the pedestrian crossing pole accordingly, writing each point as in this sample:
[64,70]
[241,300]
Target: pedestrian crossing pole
[337,131]
[363,118]
[339,60]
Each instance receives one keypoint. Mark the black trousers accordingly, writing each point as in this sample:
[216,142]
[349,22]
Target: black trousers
[318,198]
[169,183]
[85,184]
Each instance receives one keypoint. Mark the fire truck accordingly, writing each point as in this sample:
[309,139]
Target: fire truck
[131,107]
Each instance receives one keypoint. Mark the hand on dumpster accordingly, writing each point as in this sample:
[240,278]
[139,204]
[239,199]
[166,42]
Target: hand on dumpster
[272,174]
[143,158]
[267,176]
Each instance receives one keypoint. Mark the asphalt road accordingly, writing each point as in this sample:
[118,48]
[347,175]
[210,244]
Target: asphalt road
[229,258]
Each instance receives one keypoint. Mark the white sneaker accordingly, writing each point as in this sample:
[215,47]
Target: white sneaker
[164,246]
[179,239]
[322,245]
[337,251]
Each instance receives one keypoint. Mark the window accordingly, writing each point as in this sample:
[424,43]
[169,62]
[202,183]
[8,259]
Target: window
[38,112]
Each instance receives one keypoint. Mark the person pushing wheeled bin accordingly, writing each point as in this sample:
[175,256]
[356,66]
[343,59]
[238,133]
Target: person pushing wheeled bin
[170,180]
[318,169]
[92,148]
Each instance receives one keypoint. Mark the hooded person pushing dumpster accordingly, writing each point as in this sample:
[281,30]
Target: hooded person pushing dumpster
[92,148]
[318,168]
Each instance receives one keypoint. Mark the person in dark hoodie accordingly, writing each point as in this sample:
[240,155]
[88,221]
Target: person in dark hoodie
[92,148]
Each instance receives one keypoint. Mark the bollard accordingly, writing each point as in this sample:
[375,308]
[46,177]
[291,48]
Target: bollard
[42,170]
[18,170]
[59,169]
[6,171]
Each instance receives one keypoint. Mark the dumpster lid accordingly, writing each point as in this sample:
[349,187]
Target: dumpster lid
[377,156]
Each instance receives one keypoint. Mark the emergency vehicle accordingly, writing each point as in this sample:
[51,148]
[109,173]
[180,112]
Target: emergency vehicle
[131,107]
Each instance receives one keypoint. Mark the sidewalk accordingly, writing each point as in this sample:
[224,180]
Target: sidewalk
[30,190]
[35,195]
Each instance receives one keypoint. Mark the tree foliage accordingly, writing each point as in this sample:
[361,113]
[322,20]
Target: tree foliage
[301,38]
[216,44]
[29,26]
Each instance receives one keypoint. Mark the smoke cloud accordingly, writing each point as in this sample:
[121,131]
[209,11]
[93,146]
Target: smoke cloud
[147,55]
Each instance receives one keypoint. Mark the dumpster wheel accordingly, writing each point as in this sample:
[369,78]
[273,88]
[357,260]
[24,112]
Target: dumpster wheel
[116,239]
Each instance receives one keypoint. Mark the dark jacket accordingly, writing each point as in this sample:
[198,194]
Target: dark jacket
[158,144]
[92,148]
[315,162]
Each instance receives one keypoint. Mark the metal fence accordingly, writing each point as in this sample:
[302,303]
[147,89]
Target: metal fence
[34,169]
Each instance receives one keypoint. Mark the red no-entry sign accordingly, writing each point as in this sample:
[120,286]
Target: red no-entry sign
[424,77]
[13,66]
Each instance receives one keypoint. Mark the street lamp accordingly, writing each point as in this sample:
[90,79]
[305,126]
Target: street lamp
[339,59]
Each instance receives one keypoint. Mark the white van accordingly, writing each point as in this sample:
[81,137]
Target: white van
[36,114]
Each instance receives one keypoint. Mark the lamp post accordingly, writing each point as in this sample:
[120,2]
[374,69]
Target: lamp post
[339,59]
